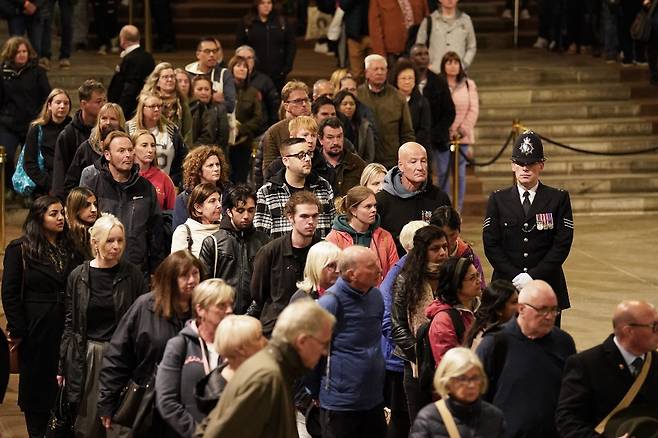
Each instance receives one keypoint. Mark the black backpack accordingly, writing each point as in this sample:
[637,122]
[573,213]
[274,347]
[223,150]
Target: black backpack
[424,356]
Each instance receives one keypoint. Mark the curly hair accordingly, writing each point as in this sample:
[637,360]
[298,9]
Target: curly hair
[413,271]
[451,276]
[194,161]
[10,49]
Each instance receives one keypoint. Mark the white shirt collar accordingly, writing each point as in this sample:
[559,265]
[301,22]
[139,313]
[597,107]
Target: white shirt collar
[532,190]
[128,50]
[627,355]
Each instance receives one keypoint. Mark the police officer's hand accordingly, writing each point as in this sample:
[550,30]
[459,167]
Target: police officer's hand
[520,280]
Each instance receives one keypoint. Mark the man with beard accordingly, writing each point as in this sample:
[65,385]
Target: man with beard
[272,197]
[335,164]
[237,237]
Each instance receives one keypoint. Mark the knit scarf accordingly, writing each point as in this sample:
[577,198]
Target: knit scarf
[407,13]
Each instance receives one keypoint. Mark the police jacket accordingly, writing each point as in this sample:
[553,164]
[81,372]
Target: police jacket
[537,244]
[127,286]
[229,254]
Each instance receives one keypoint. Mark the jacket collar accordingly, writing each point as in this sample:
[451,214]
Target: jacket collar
[288,358]
[103,168]
[280,180]
[287,243]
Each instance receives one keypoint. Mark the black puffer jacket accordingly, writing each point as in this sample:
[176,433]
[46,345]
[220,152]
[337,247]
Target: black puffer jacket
[477,420]
[49,133]
[72,136]
[127,286]
[229,254]
[135,203]
[136,348]
[22,94]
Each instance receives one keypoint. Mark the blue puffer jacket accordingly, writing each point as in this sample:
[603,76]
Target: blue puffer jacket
[354,370]
[393,363]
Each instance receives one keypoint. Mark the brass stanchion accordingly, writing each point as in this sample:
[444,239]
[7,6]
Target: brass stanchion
[3,160]
[148,30]
[454,149]
[130,11]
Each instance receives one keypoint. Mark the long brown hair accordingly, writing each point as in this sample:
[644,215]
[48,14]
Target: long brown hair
[79,231]
[165,282]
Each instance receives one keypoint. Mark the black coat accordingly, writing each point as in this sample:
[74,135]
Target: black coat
[135,203]
[273,42]
[49,134]
[72,136]
[33,305]
[275,277]
[513,244]
[136,348]
[209,125]
[22,94]
[438,95]
[479,420]
[270,99]
[84,156]
[356,18]
[128,79]
[127,286]
[421,118]
[229,254]
[594,382]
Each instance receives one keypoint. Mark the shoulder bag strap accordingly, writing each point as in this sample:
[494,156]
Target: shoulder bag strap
[214,239]
[190,242]
[448,420]
[630,395]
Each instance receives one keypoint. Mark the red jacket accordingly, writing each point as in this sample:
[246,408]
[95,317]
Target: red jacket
[386,24]
[382,244]
[442,332]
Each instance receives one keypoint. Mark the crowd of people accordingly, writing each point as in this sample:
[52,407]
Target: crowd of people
[203,256]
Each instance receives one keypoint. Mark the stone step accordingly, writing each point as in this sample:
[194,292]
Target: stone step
[585,110]
[552,93]
[534,77]
[632,202]
[559,129]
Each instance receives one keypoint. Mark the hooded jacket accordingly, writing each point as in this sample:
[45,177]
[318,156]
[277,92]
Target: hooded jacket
[197,233]
[397,206]
[22,94]
[442,334]
[72,136]
[179,371]
[135,203]
[229,254]
[217,74]
[85,156]
[376,238]
[127,286]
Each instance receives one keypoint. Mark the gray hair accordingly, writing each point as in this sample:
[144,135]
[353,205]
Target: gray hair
[246,47]
[234,332]
[302,317]
[374,58]
[457,362]
[100,231]
[319,256]
[408,232]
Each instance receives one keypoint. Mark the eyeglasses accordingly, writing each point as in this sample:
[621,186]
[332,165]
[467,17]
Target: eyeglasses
[301,156]
[153,107]
[464,380]
[653,326]
[543,311]
[303,101]
[209,51]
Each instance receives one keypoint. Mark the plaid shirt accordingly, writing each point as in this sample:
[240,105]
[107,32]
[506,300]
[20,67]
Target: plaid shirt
[271,200]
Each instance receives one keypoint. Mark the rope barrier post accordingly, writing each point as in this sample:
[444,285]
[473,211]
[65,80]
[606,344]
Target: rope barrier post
[516,23]
[517,130]
[148,31]
[454,151]
[3,160]
[130,11]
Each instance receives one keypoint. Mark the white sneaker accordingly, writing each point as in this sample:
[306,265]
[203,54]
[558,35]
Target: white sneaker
[541,43]
[321,48]
[525,14]
[102,50]
[507,14]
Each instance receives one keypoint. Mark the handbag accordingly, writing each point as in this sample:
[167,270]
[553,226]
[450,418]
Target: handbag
[317,23]
[133,397]
[23,184]
[60,424]
[232,120]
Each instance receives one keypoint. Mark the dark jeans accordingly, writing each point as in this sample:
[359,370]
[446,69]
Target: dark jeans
[36,423]
[416,400]
[240,158]
[348,424]
[66,21]
[575,15]
[550,19]
[633,50]
[105,21]
[32,24]
[396,400]
[10,140]
[610,30]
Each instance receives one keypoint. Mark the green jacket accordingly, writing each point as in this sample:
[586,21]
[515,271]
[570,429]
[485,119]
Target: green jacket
[393,121]
[258,402]
[248,111]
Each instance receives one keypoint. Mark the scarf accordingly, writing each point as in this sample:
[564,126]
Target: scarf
[407,13]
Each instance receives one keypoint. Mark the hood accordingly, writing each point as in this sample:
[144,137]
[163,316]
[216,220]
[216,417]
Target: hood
[193,67]
[393,184]
[341,223]
[103,168]
[79,124]
[435,307]
[190,330]
[198,226]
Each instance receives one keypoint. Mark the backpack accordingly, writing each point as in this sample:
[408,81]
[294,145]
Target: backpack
[424,357]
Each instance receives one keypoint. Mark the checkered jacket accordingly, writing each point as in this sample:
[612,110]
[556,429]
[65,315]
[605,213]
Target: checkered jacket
[271,199]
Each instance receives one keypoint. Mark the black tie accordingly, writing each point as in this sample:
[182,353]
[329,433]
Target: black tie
[637,365]
[526,202]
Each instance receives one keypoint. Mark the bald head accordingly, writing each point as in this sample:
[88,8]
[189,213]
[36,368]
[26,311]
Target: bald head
[412,163]
[635,325]
[129,34]
[410,148]
[537,309]
[536,291]
[359,267]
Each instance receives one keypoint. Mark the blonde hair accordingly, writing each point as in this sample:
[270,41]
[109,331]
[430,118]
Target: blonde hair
[302,317]
[408,232]
[338,76]
[234,332]
[369,171]
[95,136]
[319,256]
[287,90]
[302,122]
[100,231]
[212,292]
[46,115]
[457,362]
[138,118]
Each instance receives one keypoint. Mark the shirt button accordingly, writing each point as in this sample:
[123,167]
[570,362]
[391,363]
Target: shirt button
[525,225]
[505,224]
[525,239]
[525,269]
[525,254]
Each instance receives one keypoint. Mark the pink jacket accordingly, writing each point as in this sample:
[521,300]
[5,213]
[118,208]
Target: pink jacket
[442,333]
[381,243]
[467,109]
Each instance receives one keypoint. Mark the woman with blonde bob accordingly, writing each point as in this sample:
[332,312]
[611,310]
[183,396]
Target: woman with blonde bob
[320,271]
[98,293]
[81,213]
[373,176]
[190,356]
[460,380]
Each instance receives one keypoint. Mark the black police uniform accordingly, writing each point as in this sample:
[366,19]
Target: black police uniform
[537,243]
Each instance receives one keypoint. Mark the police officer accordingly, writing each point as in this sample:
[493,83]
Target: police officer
[528,228]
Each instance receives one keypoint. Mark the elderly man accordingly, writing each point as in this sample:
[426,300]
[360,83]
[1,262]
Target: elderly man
[528,228]
[596,380]
[524,361]
[407,194]
[392,116]
[258,401]
[350,385]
